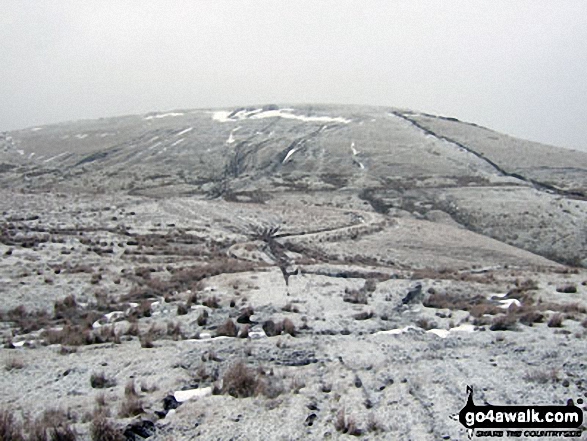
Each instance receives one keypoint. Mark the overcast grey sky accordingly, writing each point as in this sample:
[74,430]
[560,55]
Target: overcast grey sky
[517,66]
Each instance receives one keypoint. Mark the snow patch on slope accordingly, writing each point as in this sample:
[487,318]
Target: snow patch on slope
[505,304]
[291,152]
[183,132]
[442,333]
[190,394]
[231,139]
[225,116]
[164,115]
[55,157]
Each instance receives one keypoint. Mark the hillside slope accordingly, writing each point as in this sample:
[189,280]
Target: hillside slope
[525,194]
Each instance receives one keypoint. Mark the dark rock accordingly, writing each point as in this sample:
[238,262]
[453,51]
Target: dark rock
[169,402]
[414,295]
[245,316]
[386,382]
[312,406]
[139,430]
[567,289]
[363,315]
[310,419]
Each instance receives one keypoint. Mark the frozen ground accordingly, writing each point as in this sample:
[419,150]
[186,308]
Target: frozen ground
[236,290]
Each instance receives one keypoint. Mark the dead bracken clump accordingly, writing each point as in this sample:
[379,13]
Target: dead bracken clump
[505,322]
[52,425]
[556,320]
[203,318]
[131,406]
[271,328]
[370,285]
[477,305]
[12,363]
[102,429]
[101,381]
[346,424]
[77,335]
[354,296]
[290,307]
[130,389]
[288,327]
[43,430]
[65,308]
[26,321]
[526,284]
[68,335]
[567,308]
[212,302]
[425,323]
[146,339]
[182,309]
[101,400]
[374,425]
[530,317]
[297,384]
[542,376]
[10,429]
[228,329]
[174,330]
[244,333]
[240,381]
[104,334]
[133,329]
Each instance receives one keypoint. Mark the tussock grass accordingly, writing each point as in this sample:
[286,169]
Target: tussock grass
[241,381]
[102,429]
